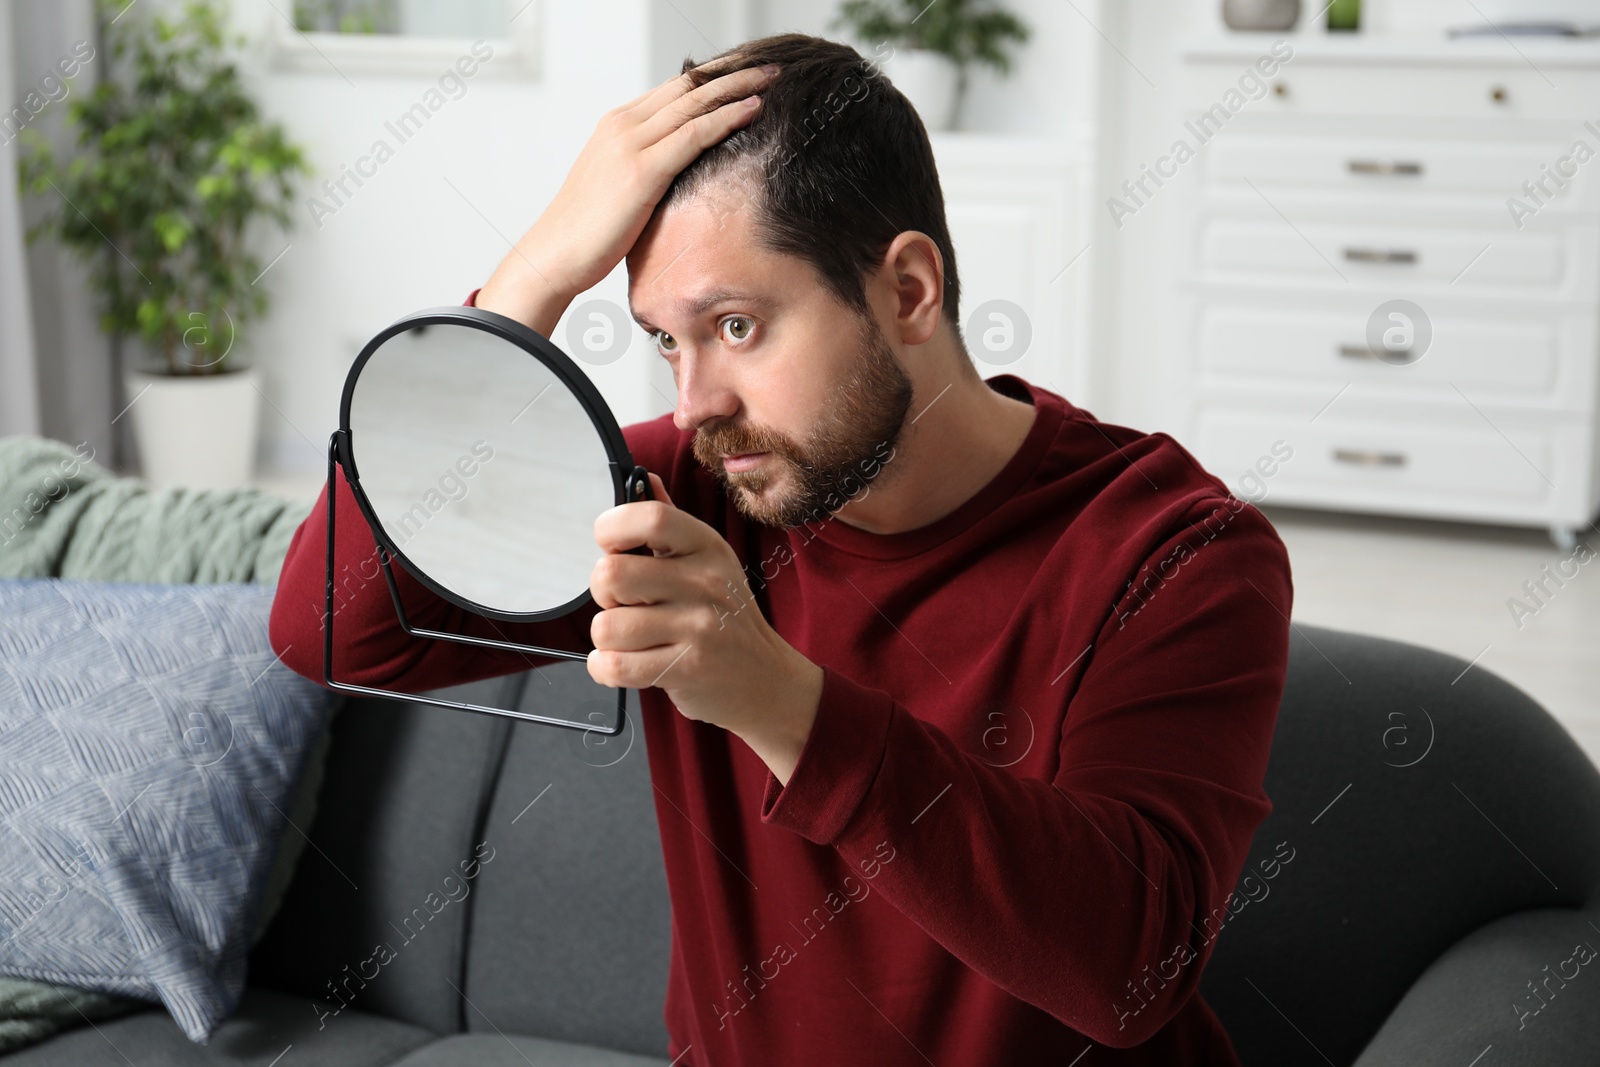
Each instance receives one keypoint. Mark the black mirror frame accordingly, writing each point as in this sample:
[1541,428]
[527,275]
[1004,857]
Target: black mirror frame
[630,481]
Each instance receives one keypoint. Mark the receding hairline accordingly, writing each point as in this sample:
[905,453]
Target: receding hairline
[706,185]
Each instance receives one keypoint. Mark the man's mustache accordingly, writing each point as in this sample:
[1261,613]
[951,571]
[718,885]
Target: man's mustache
[711,447]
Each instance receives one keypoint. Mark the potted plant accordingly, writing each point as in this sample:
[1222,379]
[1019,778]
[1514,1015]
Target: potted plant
[933,45]
[174,168]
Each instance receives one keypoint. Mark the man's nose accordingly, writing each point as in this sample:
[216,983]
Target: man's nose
[703,395]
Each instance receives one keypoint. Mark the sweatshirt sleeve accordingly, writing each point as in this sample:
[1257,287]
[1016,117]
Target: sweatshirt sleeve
[370,647]
[1112,876]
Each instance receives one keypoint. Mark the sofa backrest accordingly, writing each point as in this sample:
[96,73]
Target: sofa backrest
[512,871]
[1419,800]
[371,918]
[571,922]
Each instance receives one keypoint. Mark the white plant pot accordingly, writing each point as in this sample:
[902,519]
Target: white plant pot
[928,80]
[1260,14]
[195,431]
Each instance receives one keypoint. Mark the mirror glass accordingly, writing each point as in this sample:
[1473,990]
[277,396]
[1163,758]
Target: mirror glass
[483,468]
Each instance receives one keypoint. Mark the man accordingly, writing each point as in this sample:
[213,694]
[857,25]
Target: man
[961,699]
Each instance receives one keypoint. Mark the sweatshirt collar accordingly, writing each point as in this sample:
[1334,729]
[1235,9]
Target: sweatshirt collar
[1049,409]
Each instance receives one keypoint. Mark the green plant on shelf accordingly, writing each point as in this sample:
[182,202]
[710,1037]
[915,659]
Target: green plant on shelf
[174,165]
[967,32]
[1344,15]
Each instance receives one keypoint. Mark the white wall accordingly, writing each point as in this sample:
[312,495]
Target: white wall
[1134,265]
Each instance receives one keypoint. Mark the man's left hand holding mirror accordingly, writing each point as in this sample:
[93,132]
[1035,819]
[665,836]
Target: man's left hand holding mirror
[685,619]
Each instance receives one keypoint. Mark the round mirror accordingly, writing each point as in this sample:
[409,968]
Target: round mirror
[482,455]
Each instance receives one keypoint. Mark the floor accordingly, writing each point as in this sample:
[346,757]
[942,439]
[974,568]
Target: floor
[1448,586]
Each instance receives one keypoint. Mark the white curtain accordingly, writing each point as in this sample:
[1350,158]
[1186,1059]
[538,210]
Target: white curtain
[56,373]
[19,382]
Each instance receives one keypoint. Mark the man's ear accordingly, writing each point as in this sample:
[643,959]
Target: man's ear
[916,269]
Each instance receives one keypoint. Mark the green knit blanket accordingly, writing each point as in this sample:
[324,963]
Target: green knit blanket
[62,515]
[32,1011]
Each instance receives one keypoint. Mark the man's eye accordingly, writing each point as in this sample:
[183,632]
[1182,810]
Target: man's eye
[664,341]
[738,326]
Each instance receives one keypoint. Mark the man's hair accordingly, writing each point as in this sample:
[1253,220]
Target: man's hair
[837,164]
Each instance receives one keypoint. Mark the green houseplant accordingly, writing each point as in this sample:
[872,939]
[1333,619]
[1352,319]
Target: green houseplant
[173,172]
[934,46]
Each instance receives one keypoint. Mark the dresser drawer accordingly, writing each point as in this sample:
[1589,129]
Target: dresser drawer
[1461,467]
[1411,173]
[1514,359]
[1503,87]
[1400,260]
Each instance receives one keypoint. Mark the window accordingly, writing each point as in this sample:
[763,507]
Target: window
[349,37]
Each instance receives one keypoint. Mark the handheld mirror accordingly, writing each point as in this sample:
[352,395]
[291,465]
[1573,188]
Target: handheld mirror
[480,455]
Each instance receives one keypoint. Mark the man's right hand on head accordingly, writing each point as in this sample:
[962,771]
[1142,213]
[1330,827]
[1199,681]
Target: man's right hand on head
[612,189]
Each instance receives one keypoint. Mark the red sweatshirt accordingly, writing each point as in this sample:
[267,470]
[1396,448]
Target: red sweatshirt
[1034,775]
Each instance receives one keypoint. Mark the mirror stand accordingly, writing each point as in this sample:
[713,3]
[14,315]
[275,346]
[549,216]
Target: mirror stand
[637,489]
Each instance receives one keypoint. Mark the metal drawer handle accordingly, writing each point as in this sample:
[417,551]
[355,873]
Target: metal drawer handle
[1380,255]
[1400,357]
[1386,167]
[1368,458]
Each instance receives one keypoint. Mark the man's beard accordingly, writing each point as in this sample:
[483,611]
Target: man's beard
[845,451]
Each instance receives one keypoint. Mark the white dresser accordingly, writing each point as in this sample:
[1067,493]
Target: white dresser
[1377,171]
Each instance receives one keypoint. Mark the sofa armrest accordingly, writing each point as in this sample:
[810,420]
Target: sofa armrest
[1527,984]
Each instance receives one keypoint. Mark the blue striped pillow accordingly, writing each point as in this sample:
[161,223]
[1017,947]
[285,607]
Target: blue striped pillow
[149,744]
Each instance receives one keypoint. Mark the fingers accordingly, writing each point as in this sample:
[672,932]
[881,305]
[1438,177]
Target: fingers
[631,629]
[724,95]
[652,101]
[658,488]
[721,65]
[636,101]
[652,523]
[680,146]
[638,670]
[622,579]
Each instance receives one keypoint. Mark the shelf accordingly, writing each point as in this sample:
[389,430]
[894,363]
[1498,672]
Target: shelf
[1421,49]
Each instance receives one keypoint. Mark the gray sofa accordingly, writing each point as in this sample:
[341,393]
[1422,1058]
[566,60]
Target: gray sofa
[1442,836]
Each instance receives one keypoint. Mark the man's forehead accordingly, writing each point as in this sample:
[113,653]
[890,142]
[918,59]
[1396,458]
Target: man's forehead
[697,255]
[694,304]
[722,212]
